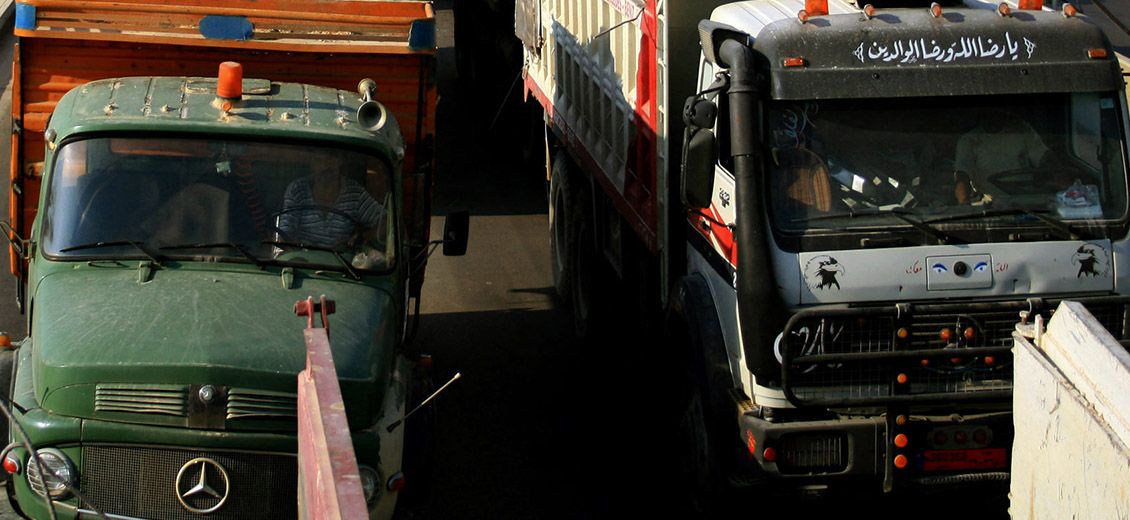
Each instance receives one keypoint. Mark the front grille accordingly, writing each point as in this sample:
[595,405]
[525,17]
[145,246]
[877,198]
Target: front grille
[855,356]
[141,482]
[812,453]
[141,398]
[261,404]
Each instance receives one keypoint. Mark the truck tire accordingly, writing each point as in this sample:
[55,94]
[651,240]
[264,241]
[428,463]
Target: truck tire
[590,278]
[584,283]
[419,449]
[706,420]
[560,211]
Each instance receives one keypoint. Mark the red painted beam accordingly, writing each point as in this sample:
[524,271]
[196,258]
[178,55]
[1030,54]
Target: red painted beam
[329,482]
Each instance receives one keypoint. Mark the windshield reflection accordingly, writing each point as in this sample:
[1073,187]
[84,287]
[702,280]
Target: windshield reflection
[227,201]
[847,164]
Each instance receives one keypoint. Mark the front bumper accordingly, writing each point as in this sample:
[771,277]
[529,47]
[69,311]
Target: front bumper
[138,472]
[896,450]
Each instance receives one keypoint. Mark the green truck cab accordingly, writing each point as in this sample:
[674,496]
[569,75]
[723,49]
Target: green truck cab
[176,230]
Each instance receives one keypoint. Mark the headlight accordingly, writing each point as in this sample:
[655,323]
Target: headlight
[369,482]
[59,476]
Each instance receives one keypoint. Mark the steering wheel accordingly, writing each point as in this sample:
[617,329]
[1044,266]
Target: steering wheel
[358,226]
[1038,180]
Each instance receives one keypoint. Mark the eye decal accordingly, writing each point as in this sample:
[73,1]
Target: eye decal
[939,268]
[981,267]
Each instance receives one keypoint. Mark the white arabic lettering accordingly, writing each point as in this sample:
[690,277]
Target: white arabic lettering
[964,48]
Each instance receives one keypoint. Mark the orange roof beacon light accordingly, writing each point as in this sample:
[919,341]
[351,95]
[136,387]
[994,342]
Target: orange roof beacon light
[229,86]
[816,7]
[1030,5]
[1069,10]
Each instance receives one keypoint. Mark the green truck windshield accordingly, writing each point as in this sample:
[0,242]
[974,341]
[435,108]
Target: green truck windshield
[225,200]
[982,162]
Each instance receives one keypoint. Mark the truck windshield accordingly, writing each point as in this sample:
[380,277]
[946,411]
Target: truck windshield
[956,165]
[233,201]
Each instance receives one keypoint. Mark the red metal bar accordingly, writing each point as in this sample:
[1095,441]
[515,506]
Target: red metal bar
[329,481]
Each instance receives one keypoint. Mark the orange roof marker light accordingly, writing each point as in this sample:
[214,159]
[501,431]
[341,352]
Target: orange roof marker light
[1030,5]
[1004,10]
[230,82]
[1096,54]
[1069,10]
[936,10]
[794,62]
[869,11]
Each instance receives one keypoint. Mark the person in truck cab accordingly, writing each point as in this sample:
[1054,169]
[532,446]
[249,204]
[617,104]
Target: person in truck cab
[1000,143]
[328,209]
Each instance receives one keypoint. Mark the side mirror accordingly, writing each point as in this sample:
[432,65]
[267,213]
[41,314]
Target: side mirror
[700,154]
[456,228]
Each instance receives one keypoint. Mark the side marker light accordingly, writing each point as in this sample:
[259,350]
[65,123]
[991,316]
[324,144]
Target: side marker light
[901,440]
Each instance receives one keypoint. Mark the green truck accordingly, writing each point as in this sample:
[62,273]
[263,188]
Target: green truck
[169,223]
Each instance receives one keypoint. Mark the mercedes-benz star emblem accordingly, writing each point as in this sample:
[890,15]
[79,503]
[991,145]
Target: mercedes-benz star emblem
[202,485]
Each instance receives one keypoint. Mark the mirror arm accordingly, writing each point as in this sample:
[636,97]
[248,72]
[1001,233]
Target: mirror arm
[19,245]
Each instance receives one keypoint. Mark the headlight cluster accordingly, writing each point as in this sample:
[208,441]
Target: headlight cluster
[59,475]
[370,483]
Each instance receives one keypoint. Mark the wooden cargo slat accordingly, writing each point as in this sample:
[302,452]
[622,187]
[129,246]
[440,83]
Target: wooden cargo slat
[379,27]
[384,10]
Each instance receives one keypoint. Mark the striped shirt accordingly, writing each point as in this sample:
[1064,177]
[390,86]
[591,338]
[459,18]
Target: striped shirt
[305,221]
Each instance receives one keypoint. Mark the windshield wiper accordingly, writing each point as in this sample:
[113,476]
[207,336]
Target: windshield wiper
[899,213]
[336,253]
[154,257]
[238,247]
[1065,230]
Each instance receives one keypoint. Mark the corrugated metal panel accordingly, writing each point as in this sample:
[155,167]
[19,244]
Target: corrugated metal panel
[588,74]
